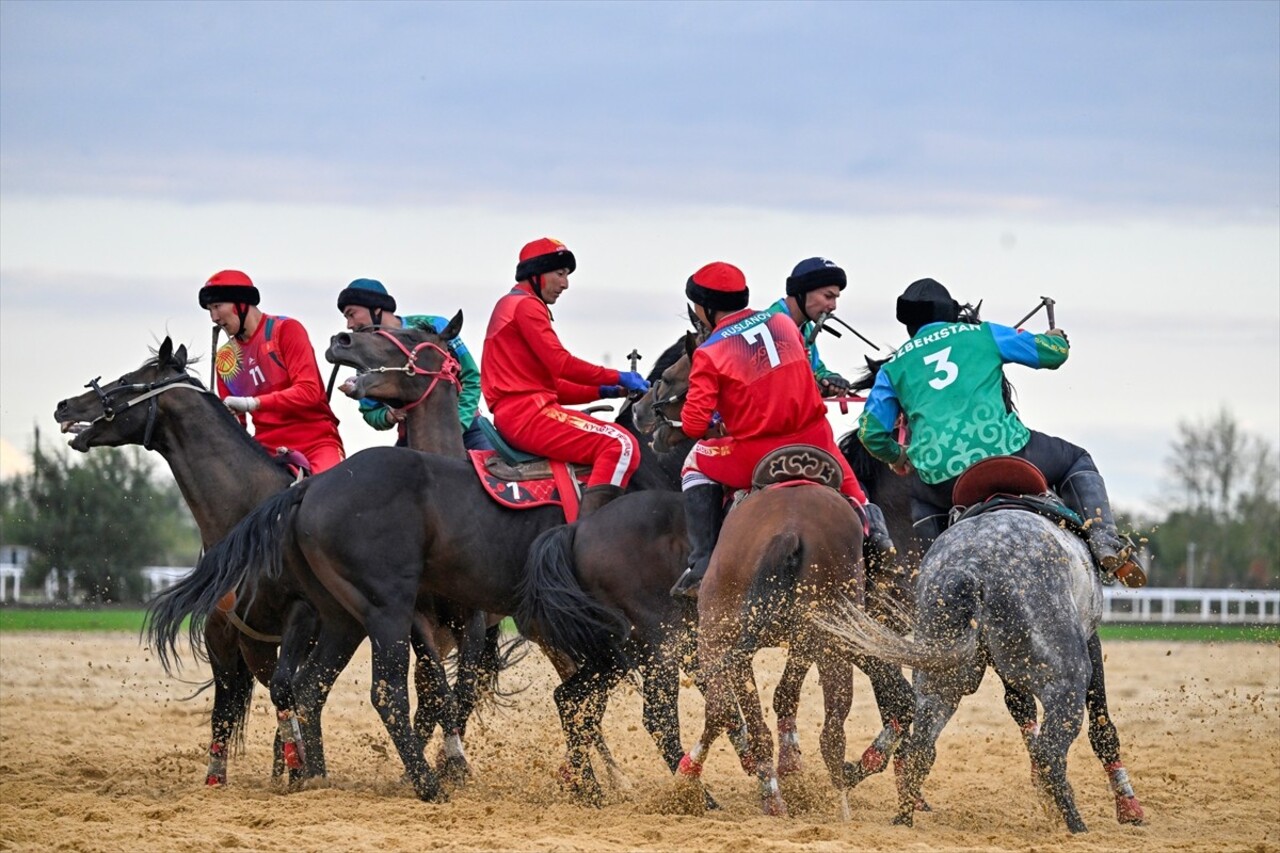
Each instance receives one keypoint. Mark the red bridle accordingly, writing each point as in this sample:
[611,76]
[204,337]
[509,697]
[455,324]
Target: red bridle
[448,370]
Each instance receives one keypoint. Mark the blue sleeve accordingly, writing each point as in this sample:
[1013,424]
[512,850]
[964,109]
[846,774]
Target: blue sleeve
[879,416]
[1015,346]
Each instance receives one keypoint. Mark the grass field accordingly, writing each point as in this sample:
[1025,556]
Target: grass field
[131,620]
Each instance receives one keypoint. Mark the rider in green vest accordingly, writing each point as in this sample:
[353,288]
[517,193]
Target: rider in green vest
[948,382]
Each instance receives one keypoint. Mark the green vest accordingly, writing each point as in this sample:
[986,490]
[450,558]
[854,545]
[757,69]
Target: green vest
[948,380]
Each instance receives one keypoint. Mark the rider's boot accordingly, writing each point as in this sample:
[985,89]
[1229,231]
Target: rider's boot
[878,536]
[595,497]
[1086,493]
[703,513]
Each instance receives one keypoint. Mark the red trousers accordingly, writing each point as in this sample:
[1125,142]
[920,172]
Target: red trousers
[567,435]
[730,462]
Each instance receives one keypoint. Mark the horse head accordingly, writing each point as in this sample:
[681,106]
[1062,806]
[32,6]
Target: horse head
[664,401]
[112,415]
[399,367]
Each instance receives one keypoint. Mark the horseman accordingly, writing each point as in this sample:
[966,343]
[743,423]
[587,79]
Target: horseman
[947,380]
[754,371]
[528,377]
[365,302]
[267,369]
[813,289]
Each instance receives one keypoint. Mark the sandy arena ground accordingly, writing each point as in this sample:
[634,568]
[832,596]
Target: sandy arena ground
[98,752]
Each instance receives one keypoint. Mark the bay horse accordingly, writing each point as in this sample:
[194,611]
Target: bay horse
[222,474]
[893,494]
[785,554]
[366,540]
[884,584]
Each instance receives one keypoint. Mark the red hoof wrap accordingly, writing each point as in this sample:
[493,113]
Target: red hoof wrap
[292,759]
[689,768]
[1129,810]
[873,760]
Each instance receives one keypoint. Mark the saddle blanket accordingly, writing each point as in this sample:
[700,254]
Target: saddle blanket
[524,494]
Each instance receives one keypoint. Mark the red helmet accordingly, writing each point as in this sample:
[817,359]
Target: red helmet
[229,286]
[542,256]
[718,287]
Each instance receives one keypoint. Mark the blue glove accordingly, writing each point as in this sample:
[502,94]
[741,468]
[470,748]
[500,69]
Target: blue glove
[633,381]
[607,391]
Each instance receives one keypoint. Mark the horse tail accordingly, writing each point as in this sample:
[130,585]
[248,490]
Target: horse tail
[953,621]
[773,589]
[552,605]
[253,550]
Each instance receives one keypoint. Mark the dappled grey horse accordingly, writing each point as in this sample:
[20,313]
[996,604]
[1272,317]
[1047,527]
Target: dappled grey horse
[1009,589]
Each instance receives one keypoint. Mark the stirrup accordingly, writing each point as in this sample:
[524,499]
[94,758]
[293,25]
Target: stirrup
[1131,574]
[686,587]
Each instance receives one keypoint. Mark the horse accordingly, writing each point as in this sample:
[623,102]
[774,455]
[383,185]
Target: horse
[665,402]
[785,553]
[222,474]
[893,494]
[368,539]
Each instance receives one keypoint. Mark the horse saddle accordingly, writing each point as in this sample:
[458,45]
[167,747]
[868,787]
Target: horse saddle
[1009,482]
[797,462]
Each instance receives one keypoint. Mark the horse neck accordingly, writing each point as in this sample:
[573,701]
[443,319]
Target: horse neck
[657,471]
[433,426]
[220,470]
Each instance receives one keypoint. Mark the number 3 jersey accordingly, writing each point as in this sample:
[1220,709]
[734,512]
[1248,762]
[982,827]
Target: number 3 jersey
[755,372]
[948,381]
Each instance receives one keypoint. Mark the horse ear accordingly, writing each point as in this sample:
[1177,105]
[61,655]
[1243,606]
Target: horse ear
[180,358]
[165,352]
[690,344]
[454,328]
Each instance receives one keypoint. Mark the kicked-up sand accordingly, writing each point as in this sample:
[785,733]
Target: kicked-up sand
[99,751]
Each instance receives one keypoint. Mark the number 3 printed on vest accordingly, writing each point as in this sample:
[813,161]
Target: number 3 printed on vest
[942,364]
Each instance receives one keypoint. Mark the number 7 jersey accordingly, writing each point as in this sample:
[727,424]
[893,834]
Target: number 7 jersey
[755,372]
[947,380]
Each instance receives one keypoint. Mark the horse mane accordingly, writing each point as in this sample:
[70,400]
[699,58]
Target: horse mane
[669,357]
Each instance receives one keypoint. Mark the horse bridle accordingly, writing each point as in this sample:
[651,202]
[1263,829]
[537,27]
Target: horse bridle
[449,367]
[149,392]
[658,406]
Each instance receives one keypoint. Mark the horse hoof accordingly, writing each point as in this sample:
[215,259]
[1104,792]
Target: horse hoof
[904,818]
[455,771]
[773,806]
[922,805]
[1129,810]
[213,780]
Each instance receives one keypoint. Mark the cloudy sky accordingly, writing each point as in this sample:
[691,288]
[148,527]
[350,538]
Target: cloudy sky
[1123,158]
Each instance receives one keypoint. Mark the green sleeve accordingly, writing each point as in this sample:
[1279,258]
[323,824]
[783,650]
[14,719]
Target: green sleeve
[375,414]
[878,441]
[469,399]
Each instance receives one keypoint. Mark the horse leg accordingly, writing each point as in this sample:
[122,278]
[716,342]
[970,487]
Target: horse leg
[1063,705]
[934,708]
[471,660]
[1105,740]
[661,690]
[232,695]
[295,640]
[786,701]
[389,693]
[835,674]
[896,703]
[1022,707]
[427,667]
[580,705]
[761,739]
[335,643]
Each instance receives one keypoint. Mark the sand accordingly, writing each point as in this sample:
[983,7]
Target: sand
[100,752]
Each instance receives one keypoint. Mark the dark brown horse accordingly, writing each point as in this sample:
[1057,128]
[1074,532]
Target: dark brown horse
[222,474]
[368,540]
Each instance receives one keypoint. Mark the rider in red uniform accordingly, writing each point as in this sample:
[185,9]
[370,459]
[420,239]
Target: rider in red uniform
[527,377]
[754,371]
[268,370]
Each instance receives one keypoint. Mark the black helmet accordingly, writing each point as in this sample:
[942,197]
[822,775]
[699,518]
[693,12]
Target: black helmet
[924,302]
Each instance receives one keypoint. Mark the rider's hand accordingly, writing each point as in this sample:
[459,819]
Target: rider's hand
[241,404]
[397,415]
[665,437]
[609,391]
[834,385]
[902,467]
[1058,333]
[633,381]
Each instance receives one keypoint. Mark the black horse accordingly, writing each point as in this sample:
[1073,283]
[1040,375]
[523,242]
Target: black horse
[368,539]
[222,474]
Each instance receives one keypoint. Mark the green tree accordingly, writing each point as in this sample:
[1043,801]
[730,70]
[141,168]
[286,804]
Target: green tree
[104,519]
[1225,501]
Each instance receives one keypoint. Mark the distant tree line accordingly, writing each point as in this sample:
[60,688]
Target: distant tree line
[108,514]
[103,517]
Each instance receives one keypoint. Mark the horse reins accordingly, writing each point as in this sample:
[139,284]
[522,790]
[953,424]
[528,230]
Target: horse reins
[150,391]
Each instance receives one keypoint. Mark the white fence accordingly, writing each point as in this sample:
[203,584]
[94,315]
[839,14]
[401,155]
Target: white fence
[1180,604]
